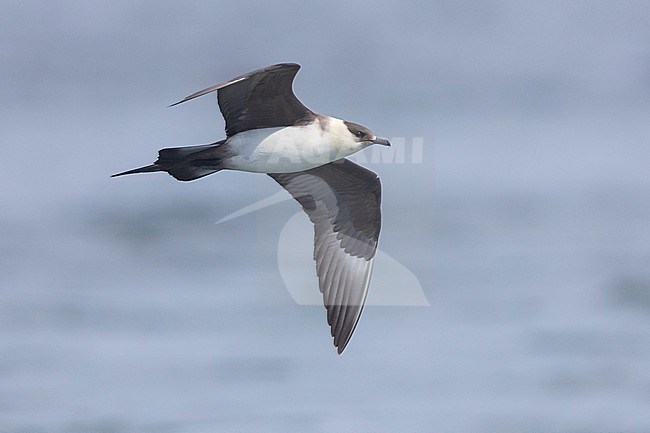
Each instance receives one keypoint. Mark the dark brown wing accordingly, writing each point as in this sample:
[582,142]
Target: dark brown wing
[343,201]
[262,98]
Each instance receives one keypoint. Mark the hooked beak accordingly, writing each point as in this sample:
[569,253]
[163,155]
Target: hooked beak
[381,141]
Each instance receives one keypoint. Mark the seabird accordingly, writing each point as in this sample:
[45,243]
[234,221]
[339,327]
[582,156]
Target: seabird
[268,130]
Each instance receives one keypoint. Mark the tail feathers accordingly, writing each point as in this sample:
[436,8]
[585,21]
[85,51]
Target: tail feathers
[187,172]
[146,169]
[172,155]
[181,162]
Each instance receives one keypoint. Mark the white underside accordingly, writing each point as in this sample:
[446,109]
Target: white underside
[289,149]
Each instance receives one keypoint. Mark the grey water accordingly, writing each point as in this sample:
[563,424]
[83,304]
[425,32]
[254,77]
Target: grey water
[125,308]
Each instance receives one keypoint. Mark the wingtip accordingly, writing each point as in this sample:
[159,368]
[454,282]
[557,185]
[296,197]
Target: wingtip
[341,345]
[285,64]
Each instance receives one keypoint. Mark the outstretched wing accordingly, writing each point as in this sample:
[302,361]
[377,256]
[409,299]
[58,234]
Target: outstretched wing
[262,98]
[343,201]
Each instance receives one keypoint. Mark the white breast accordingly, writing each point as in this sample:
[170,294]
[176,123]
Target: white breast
[288,149]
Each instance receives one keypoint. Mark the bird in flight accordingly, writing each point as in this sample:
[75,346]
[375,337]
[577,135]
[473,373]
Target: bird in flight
[268,130]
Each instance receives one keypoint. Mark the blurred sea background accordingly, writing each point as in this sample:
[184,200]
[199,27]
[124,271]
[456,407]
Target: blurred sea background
[124,308]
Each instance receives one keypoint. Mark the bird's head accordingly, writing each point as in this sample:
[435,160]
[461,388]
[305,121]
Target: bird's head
[347,138]
[363,136]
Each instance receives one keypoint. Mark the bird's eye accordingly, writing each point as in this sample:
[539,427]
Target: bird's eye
[359,134]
